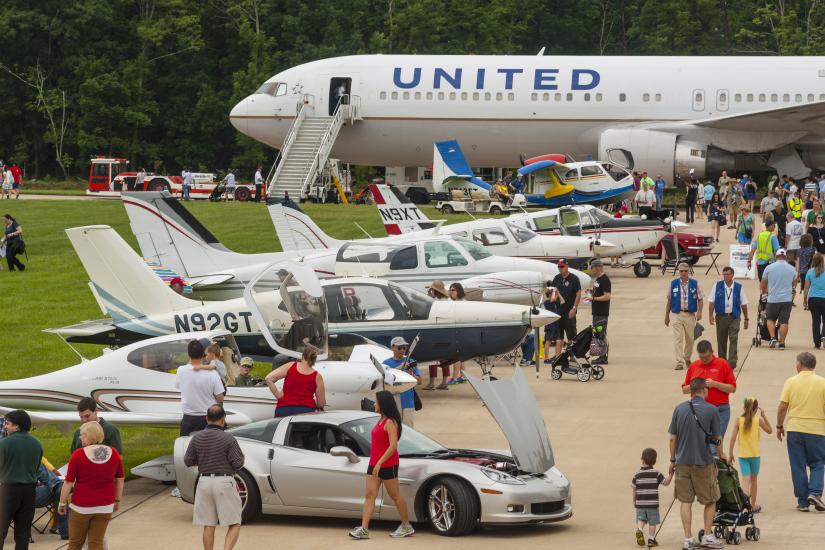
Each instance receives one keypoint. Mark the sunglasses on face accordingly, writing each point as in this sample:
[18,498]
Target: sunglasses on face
[683,271]
[400,347]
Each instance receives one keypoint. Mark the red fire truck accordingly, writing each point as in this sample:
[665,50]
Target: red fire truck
[109,176]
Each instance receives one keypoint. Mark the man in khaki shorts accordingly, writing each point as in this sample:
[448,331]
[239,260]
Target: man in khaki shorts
[218,457]
[694,426]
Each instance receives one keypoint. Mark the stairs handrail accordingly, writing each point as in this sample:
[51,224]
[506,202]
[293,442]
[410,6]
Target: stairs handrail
[290,137]
[324,148]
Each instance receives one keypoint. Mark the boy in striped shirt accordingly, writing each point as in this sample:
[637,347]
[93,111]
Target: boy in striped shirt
[646,497]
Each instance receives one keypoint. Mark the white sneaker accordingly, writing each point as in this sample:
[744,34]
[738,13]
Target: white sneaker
[359,533]
[403,531]
[175,493]
[710,541]
[690,544]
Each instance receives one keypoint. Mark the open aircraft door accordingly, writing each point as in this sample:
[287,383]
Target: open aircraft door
[294,316]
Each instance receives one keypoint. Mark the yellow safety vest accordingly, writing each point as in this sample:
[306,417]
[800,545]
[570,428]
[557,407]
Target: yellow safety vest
[796,207]
[764,246]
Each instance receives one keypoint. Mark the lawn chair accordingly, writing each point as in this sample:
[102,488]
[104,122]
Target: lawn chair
[672,256]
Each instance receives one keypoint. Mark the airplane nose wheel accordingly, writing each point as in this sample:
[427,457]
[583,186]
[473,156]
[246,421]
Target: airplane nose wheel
[642,269]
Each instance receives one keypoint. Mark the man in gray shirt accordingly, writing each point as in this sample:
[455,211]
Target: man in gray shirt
[694,422]
[779,282]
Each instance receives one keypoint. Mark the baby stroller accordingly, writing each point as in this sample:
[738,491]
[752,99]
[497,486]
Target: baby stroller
[578,352]
[217,193]
[733,509]
[762,323]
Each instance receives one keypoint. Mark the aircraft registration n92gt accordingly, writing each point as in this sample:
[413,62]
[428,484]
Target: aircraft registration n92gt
[294,315]
[135,384]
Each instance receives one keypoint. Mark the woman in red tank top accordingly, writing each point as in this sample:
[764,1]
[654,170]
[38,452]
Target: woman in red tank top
[383,467]
[303,389]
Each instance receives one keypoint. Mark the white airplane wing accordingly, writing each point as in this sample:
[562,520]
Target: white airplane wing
[808,117]
[123,418]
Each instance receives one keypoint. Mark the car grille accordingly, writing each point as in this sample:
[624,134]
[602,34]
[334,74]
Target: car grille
[708,241]
[546,507]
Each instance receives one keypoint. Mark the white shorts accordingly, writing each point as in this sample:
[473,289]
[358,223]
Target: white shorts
[217,501]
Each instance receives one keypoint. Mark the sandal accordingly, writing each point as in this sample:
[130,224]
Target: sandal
[429,387]
[442,386]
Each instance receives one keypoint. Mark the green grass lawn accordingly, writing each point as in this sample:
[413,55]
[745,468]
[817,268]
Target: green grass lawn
[54,292]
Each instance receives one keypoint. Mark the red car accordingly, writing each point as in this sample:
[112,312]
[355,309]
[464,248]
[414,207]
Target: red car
[690,244]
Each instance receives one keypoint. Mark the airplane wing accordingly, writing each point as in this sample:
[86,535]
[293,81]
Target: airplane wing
[209,280]
[123,418]
[542,165]
[808,117]
[84,328]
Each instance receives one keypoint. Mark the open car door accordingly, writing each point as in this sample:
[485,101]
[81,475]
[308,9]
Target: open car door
[294,316]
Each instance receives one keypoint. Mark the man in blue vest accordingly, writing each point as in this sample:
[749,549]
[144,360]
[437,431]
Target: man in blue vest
[684,302]
[727,303]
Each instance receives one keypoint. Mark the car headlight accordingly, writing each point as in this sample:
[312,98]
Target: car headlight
[501,477]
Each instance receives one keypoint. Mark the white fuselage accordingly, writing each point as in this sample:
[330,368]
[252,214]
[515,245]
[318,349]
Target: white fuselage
[499,107]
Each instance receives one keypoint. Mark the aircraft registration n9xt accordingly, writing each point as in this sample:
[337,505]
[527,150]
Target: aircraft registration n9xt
[665,114]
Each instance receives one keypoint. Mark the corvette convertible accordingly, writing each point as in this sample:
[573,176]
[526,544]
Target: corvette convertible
[315,464]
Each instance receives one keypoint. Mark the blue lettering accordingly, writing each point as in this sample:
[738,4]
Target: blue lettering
[453,80]
[198,322]
[508,76]
[480,79]
[246,315]
[416,79]
[545,79]
[181,323]
[578,85]
[230,321]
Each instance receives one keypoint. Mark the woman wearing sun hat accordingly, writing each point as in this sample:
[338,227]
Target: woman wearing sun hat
[438,291]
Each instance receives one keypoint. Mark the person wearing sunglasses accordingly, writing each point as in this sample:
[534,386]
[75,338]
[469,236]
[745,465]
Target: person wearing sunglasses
[817,231]
[684,302]
[399,360]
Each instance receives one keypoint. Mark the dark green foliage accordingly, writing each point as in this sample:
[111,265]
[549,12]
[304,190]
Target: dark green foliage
[154,80]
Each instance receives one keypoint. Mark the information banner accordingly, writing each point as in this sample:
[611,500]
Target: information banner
[739,262]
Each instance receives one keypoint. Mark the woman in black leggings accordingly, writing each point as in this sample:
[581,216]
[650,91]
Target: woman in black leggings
[14,243]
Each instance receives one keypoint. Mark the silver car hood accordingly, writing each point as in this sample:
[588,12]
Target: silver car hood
[514,408]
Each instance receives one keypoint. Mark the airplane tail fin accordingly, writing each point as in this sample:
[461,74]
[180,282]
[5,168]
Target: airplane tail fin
[122,283]
[297,231]
[398,213]
[168,234]
[450,167]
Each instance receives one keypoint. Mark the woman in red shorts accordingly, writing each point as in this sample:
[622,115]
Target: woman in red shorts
[383,467]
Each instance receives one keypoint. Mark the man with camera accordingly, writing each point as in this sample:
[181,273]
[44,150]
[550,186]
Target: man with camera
[694,427]
[399,360]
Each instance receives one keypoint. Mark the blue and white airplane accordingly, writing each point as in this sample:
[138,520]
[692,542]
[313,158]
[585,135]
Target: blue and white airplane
[665,114]
[553,183]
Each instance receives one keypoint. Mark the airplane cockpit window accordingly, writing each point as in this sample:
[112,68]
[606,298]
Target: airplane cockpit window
[521,234]
[308,314]
[572,174]
[350,303]
[571,223]
[417,304]
[591,170]
[405,258]
[475,250]
[491,236]
[616,172]
[549,222]
[161,357]
[442,254]
[601,216]
[275,89]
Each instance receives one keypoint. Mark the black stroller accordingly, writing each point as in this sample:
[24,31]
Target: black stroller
[762,323]
[586,344]
[733,509]
[217,193]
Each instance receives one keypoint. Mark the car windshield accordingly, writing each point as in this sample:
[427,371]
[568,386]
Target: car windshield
[521,234]
[477,251]
[411,442]
[263,430]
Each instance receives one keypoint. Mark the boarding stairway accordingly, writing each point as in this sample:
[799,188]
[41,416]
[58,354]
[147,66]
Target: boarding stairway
[303,167]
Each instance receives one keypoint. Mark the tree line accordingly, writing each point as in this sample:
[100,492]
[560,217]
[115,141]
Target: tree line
[154,80]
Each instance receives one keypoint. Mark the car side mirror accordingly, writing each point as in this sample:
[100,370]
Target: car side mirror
[345,451]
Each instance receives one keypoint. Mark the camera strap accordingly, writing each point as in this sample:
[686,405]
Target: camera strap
[708,436]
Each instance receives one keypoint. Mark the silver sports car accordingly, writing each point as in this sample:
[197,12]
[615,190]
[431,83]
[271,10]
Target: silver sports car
[315,465]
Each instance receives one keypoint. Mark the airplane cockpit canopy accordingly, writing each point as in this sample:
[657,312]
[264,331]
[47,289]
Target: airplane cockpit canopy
[275,89]
[477,251]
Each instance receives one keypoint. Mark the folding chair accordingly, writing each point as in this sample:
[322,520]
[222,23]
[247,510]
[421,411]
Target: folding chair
[671,256]
[49,511]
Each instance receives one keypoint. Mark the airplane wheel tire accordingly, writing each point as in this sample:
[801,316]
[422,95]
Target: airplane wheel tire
[447,209]
[451,507]
[250,496]
[642,269]
[495,211]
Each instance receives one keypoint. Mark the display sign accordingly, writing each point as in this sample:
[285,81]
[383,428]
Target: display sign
[739,262]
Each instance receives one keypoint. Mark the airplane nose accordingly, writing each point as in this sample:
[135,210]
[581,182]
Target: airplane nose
[238,116]
[540,317]
[397,381]
[263,118]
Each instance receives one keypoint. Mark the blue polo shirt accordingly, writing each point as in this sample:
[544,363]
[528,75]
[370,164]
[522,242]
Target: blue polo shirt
[817,289]
[780,275]
[407,397]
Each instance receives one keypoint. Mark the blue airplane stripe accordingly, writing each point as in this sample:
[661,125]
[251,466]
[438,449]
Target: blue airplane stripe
[129,311]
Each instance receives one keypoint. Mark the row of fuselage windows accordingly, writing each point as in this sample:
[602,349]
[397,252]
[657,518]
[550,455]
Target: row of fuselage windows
[587,96]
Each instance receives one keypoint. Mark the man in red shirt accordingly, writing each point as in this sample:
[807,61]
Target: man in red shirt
[719,378]
[15,173]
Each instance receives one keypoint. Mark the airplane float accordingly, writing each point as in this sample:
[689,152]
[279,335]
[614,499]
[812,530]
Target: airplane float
[554,181]
[135,384]
[502,106]
[292,315]
[167,233]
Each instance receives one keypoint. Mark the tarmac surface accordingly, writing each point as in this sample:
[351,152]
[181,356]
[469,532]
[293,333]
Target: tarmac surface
[598,430]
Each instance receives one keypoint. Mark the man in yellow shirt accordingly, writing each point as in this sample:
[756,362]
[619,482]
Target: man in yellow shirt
[803,402]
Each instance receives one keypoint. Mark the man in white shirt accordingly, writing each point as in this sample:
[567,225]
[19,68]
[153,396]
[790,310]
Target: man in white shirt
[259,183]
[199,390]
[229,180]
[793,233]
[645,199]
[727,304]
[188,180]
[139,179]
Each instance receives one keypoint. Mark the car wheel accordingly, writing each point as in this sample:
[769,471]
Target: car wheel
[447,209]
[452,509]
[495,210]
[642,269]
[250,496]
[157,185]
[242,194]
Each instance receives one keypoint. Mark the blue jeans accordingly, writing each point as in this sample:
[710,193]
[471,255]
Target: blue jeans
[185,192]
[528,347]
[806,451]
[724,420]
[43,496]
[660,196]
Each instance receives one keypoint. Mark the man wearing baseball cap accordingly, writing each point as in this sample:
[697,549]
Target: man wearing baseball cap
[779,281]
[244,379]
[399,360]
[570,289]
[764,247]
